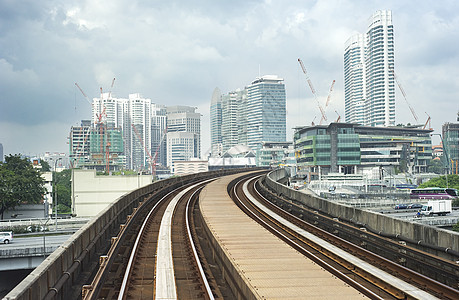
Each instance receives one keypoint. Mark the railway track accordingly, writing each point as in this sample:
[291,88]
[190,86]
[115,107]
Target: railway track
[357,275]
[158,253]
[165,262]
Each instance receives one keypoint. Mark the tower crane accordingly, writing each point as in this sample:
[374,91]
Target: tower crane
[322,112]
[404,96]
[328,98]
[427,122]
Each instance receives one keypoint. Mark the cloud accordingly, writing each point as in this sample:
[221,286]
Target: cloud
[177,52]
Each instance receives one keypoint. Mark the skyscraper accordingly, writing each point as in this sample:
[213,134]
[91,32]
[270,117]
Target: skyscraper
[229,120]
[368,73]
[266,111]
[183,134]
[216,123]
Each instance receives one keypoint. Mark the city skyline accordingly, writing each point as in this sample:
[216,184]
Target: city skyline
[176,53]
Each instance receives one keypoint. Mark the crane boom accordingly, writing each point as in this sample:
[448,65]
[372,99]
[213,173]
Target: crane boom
[313,90]
[404,96]
[86,97]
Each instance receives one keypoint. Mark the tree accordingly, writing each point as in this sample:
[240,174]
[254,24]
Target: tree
[453,182]
[45,166]
[436,166]
[20,183]
[63,189]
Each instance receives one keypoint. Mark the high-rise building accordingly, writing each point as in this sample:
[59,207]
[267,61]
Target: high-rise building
[1,152]
[354,79]
[242,117]
[266,111]
[79,143]
[216,123]
[183,134]
[450,134]
[158,133]
[139,117]
[369,81]
[229,120]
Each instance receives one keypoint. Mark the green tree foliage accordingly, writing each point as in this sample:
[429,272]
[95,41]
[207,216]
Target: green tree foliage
[436,166]
[453,182]
[20,183]
[63,189]
[45,166]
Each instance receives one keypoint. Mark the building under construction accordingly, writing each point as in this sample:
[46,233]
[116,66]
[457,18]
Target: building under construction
[97,147]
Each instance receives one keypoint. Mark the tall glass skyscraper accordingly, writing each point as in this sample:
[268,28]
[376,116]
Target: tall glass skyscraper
[368,73]
[266,111]
[216,123]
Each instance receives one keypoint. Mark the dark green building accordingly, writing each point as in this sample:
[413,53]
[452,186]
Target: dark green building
[349,148]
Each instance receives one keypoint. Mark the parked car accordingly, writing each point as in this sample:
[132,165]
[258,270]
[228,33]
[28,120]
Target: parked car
[6,237]
[415,205]
[401,206]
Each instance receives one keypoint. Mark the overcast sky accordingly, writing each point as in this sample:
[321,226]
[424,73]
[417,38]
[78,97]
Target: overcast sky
[177,52]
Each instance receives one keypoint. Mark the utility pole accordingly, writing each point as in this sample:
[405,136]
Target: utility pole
[54,189]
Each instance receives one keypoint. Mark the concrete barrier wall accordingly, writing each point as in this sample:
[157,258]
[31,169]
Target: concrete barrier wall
[412,230]
[75,255]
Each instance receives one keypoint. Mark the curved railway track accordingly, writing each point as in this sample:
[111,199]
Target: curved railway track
[354,274]
[158,253]
[165,262]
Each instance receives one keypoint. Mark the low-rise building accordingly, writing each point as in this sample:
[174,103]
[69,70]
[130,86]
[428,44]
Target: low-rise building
[355,149]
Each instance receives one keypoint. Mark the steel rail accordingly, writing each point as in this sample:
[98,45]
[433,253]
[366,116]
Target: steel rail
[312,256]
[127,273]
[195,252]
[419,279]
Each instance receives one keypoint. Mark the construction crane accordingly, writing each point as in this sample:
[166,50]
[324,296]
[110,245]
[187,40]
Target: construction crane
[427,122]
[339,117]
[324,117]
[328,99]
[404,96]
[144,146]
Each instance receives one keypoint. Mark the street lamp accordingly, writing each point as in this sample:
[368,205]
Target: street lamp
[54,189]
[446,154]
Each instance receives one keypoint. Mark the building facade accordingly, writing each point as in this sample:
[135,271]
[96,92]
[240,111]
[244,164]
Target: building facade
[352,149]
[79,143]
[369,73]
[450,158]
[275,154]
[183,134]
[266,111]
[216,123]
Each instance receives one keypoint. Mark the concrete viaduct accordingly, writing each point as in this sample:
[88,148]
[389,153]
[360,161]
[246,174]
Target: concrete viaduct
[77,259]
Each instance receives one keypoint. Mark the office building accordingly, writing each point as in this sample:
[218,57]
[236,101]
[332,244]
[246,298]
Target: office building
[369,73]
[355,149]
[158,134]
[183,134]
[79,143]
[216,123]
[266,111]
[450,158]
[275,154]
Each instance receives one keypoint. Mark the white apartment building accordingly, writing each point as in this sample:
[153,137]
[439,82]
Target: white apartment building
[139,117]
[229,120]
[183,134]
[368,73]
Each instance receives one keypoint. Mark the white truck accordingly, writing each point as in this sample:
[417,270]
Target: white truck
[437,207]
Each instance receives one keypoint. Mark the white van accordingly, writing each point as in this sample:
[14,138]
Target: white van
[6,237]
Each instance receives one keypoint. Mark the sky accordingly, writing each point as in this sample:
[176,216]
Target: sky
[178,52]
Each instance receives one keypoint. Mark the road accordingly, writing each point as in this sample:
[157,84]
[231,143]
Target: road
[36,241]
